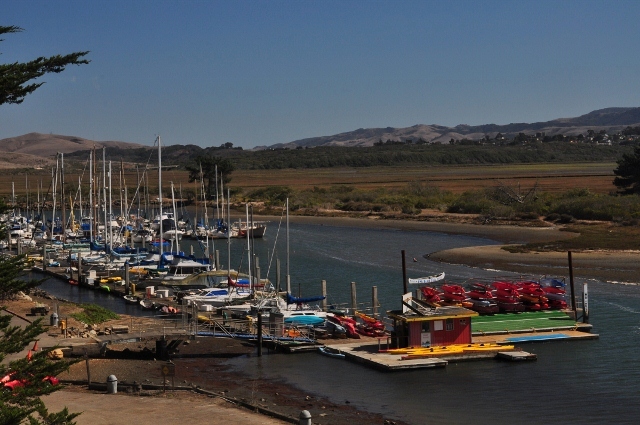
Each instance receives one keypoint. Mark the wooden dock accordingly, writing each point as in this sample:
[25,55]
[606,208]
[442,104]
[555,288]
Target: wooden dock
[367,354]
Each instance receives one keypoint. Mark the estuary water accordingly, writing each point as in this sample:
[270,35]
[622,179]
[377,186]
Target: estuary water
[587,382]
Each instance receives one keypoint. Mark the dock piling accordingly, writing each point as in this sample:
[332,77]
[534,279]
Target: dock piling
[323,288]
[404,273]
[374,300]
[354,304]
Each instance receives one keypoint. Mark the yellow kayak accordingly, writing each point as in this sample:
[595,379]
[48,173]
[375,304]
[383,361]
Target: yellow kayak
[433,352]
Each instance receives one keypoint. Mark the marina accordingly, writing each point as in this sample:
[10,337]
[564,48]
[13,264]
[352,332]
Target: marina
[562,363]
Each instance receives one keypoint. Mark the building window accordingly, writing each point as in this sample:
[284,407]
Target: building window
[449,324]
[425,327]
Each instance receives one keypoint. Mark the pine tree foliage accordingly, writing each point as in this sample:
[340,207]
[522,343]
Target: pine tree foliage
[207,165]
[15,77]
[22,405]
[628,172]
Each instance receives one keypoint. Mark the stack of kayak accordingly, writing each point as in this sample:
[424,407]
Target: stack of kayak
[499,296]
[351,327]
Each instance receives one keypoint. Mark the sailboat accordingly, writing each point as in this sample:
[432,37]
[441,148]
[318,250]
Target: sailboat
[295,310]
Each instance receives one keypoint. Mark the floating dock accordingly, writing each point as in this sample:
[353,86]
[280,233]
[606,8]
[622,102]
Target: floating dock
[369,355]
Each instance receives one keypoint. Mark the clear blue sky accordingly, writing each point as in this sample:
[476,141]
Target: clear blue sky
[263,72]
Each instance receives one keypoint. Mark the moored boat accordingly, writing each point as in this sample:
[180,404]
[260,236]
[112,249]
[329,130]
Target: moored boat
[331,352]
[131,299]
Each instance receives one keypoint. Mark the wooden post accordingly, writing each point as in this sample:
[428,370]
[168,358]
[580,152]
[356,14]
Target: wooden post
[323,289]
[574,307]
[585,303]
[374,300]
[44,256]
[86,359]
[217,259]
[354,304]
[404,274]
[256,266]
[79,267]
[257,275]
[126,278]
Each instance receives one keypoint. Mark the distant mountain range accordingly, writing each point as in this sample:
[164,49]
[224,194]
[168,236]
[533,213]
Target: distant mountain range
[38,150]
[35,150]
[609,119]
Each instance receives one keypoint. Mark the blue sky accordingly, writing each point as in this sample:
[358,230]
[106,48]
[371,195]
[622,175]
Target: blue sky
[264,72]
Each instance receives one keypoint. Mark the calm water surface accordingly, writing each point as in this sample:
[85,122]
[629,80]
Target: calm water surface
[588,382]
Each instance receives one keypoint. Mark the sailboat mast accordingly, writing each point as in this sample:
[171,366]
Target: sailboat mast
[229,238]
[120,187]
[217,205]
[288,274]
[80,192]
[175,223]
[249,251]
[91,196]
[62,197]
[104,191]
[160,190]
[110,212]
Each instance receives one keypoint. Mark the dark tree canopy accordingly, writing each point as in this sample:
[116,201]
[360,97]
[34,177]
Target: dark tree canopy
[628,172]
[23,405]
[14,77]
[207,165]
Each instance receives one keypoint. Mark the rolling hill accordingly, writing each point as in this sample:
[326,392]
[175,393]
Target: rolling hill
[609,119]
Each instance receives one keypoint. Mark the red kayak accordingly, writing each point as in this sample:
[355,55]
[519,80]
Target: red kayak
[347,322]
[453,293]
[480,292]
[430,295]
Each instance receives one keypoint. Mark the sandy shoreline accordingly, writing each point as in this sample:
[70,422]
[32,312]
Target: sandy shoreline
[606,266]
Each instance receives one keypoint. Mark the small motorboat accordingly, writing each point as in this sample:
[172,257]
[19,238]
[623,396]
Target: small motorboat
[331,352]
[72,282]
[131,299]
[147,304]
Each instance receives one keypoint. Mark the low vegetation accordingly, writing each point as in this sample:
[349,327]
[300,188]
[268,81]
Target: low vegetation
[94,314]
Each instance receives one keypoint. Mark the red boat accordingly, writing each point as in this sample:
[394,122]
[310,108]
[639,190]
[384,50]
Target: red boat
[553,293]
[510,307]
[531,292]
[484,306]
[557,304]
[480,292]
[369,321]
[453,293]
[430,296]
[506,292]
[73,282]
[369,331]
[347,323]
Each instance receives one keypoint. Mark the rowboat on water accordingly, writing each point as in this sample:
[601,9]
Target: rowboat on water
[427,279]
